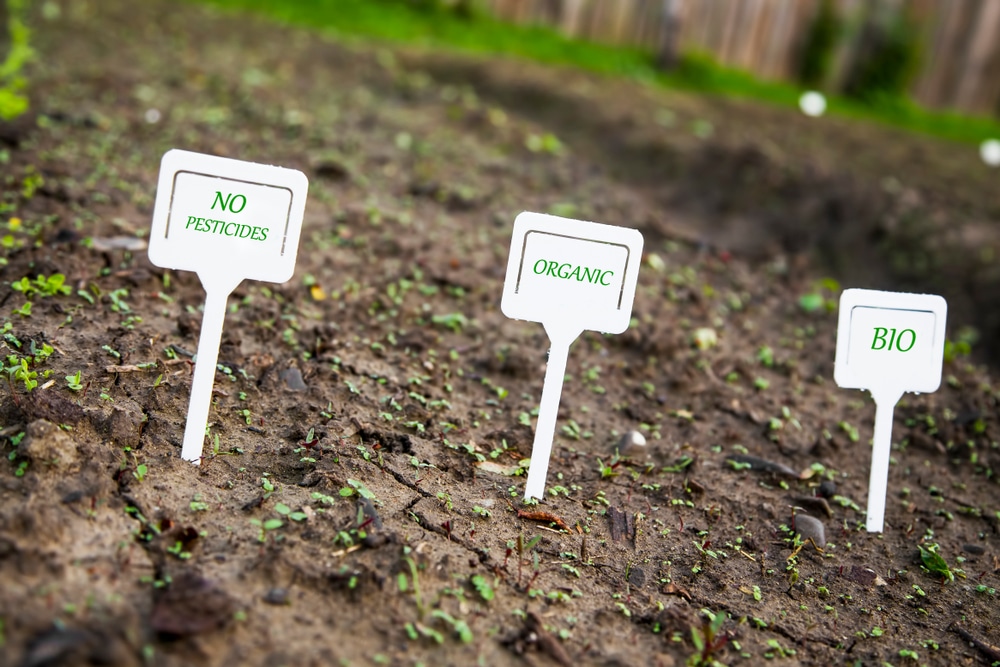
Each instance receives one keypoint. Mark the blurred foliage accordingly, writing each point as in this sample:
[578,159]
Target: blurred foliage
[440,24]
[887,61]
[819,46]
[12,82]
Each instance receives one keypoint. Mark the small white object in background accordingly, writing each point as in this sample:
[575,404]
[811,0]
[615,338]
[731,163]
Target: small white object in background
[888,343]
[571,276]
[989,151]
[153,116]
[812,103]
[226,220]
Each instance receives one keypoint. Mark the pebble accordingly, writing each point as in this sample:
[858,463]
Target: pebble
[810,527]
[293,379]
[277,596]
[827,489]
[631,443]
[974,549]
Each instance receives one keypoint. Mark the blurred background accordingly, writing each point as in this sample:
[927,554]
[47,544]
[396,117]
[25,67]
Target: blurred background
[696,103]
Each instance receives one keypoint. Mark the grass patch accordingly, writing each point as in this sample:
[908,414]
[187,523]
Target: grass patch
[400,21]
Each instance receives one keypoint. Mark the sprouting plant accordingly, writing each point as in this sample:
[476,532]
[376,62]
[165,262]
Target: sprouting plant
[934,563]
[266,526]
[24,311]
[140,472]
[483,587]
[178,550]
[460,627]
[356,487]
[74,382]
[481,511]
[454,321]
[197,504]
[765,355]
[285,510]
[708,640]
[19,371]
[446,499]
[42,286]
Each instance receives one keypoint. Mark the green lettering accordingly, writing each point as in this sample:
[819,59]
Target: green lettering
[913,339]
[215,226]
[535,268]
[561,268]
[229,202]
[253,234]
[576,273]
[245,228]
[220,200]
[591,276]
[879,337]
[191,220]
[263,233]
[232,225]
[232,204]
[202,225]
[605,274]
[551,271]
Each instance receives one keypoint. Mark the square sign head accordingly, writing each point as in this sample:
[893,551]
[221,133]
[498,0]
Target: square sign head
[227,218]
[888,341]
[581,275]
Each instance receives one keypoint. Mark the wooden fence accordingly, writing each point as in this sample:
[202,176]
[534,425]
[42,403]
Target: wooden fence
[960,39]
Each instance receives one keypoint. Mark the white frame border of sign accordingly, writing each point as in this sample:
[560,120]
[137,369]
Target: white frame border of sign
[866,298]
[519,307]
[162,251]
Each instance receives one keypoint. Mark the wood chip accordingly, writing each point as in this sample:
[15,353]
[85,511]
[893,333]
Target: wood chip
[543,517]
[674,589]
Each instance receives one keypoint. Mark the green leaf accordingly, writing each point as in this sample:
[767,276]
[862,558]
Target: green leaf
[273,524]
[811,302]
[283,509]
[935,563]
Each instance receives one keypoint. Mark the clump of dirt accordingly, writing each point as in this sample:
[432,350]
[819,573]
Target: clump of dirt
[360,499]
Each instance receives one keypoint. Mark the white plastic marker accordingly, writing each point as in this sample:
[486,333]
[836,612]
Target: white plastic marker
[226,220]
[888,343]
[572,276]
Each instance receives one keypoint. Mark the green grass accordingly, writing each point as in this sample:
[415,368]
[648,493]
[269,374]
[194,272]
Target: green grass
[402,21]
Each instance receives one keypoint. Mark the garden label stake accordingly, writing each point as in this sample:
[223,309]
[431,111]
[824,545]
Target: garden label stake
[571,276]
[888,343]
[226,220]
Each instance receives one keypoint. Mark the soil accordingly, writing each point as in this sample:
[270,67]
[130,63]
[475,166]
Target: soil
[360,499]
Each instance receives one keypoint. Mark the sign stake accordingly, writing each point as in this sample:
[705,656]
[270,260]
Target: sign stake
[548,408]
[878,479]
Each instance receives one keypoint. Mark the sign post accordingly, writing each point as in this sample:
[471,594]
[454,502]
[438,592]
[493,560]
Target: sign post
[888,343]
[226,220]
[571,276]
